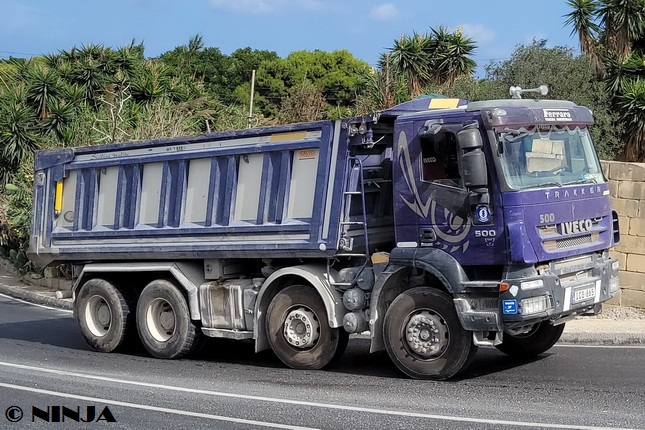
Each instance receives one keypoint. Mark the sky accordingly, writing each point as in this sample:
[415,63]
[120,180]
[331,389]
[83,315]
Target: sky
[366,28]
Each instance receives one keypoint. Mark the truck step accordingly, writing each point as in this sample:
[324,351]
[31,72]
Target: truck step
[350,254]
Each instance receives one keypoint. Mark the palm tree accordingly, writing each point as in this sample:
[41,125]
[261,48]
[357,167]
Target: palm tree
[624,23]
[409,58]
[61,114]
[632,107]
[616,29]
[151,82]
[452,56]
[437,58]
[381,88]
[128,58]
[583,20]
[18,135]
[43,86]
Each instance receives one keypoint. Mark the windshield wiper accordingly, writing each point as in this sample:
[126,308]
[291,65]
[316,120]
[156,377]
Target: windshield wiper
[549,184]
[590,180]
[514,136]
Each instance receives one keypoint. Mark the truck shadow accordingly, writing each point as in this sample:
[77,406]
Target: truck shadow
[64,333]
[357,360]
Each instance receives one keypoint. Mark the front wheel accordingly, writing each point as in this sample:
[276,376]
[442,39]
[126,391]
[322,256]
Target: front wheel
[423,335]
[164,323]
[299,331]
[538,339]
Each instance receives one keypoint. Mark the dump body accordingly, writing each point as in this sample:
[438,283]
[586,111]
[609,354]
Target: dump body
[240,194]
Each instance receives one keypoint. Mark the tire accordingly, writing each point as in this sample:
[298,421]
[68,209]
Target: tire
[423,335]
[538,340]
[163,321]
[105,315]
[296,308]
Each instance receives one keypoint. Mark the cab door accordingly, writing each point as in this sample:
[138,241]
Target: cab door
[448,221]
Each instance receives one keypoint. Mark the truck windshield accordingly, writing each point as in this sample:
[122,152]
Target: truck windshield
[547,156]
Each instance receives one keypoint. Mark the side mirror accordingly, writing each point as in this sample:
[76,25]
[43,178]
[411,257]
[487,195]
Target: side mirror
[475,172]
[473,160]
[469,139]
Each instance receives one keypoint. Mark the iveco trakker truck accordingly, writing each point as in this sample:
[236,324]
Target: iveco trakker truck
[437,226]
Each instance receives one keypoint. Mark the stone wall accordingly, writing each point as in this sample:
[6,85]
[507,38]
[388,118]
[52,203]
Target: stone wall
[627,181]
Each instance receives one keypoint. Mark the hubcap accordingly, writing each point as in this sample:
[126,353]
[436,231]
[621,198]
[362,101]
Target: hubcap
[161,320]
[301,328]
[427,334]
[98,316]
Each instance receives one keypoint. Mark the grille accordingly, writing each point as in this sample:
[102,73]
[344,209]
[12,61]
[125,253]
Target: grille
[573,241]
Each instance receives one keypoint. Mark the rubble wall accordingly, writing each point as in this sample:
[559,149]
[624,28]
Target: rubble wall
[627,182]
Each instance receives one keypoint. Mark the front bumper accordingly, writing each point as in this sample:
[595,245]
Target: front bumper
[559,289]
[553,291]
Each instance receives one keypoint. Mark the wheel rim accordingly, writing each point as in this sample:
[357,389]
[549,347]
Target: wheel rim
[98,316]
[426,334]
[301,328]
[161,320]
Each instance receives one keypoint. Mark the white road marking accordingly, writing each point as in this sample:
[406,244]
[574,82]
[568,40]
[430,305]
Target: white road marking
[309,404]
[154,408]
[35,304]
[582,345]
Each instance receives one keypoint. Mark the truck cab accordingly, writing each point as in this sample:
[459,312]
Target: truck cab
[503,204]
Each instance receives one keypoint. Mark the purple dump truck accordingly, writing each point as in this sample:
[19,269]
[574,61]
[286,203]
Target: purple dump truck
[437,226]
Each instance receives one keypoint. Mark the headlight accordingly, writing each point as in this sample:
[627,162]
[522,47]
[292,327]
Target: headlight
[535,305]
[614,284]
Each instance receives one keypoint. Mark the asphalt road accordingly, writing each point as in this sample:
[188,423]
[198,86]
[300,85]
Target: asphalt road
[44,363]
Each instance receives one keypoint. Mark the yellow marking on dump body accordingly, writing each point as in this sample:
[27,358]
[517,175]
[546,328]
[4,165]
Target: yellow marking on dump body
[443,103]
[58,202]
[287,137]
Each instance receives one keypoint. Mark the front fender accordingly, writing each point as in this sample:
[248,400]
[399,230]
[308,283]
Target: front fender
[438,263]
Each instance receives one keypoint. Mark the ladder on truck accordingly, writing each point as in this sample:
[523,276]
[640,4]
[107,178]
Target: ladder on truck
[354,188]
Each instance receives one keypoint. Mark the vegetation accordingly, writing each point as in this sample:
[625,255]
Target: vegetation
[567,76]
[612,33]
[94,94]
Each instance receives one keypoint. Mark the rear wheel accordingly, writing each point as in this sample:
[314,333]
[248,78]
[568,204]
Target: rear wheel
[423,335]
[534,341]
[105,315]
[163,321]
[299,331]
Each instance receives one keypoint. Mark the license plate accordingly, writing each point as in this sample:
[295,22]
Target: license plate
[583,294]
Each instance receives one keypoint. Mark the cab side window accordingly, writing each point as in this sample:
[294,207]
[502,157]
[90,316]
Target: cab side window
[440,159]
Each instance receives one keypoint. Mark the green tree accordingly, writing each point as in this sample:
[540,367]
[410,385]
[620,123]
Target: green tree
[381,89]
[238,75]
[568,77]
[336,73]
[304,103]
[614,31]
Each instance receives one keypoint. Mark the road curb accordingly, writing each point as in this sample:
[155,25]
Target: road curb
[594,338]
[36,298]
